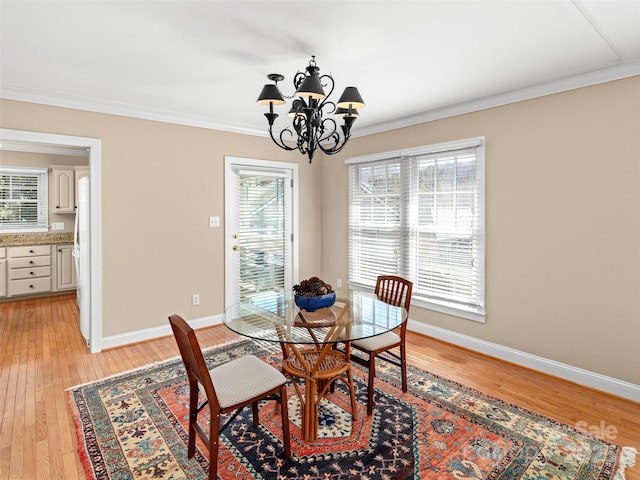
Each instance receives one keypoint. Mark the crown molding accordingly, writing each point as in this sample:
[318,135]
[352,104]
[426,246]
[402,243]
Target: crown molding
[596,76]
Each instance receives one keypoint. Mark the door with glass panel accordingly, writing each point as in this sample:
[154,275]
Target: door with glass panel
[259,233]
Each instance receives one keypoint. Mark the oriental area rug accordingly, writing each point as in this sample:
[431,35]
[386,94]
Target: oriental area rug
[134,426]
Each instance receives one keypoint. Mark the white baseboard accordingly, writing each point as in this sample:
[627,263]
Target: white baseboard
[155,332]
[610,385]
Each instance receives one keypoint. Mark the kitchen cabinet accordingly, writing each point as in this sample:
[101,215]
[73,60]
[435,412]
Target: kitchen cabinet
[3,272]
[65,268]
[29,270]
[63,189]
[36,269]
[64,180]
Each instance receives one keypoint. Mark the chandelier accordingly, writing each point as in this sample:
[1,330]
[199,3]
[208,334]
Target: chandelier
[312,127]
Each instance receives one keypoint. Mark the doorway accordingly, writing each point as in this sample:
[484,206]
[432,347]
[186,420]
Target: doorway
[93,287]
[260,227]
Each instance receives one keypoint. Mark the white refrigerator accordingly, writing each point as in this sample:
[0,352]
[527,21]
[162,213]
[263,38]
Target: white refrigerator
[81,251]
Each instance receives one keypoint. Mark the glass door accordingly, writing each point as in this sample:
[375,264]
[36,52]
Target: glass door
[259,235]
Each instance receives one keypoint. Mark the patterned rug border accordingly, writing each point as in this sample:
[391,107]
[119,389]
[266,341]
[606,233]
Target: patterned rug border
[626,456]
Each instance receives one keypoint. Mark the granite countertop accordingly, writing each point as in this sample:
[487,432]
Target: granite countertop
[19,239]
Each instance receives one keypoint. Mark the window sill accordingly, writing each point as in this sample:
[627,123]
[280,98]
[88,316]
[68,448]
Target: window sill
[450,309]
[442,307]
[15,230]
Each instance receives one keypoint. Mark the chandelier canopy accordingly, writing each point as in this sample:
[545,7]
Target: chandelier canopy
[312,127]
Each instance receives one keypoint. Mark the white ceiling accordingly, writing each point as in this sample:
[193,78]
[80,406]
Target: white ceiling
[204,63]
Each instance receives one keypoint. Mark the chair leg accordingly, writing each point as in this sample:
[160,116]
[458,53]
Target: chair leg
[372,375]
[193,418]
[285,422]
[403,366]
[256,417]
[352,391]
[214,440]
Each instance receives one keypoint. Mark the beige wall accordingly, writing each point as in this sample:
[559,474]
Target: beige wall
[160,184]
[563,229]
[563,223]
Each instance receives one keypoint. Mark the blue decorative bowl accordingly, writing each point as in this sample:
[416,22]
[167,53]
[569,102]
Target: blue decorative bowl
[311,304]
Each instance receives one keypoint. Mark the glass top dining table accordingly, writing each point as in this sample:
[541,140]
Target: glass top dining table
[274,317]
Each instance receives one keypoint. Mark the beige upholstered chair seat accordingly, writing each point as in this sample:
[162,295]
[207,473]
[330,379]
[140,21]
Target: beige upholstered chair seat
[244,378]
[378,342]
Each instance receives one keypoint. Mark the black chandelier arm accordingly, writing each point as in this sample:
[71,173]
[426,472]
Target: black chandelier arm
[335,149]
[297,79]
[333,85]
[330,126]
[279,141]
[337,143]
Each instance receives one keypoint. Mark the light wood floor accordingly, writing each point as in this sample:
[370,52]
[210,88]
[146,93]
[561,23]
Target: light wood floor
[42,354]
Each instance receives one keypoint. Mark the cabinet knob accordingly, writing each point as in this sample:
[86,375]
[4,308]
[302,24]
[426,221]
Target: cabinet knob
[59,249]
[30,251]
[31,262]
[31,273]
[57,206]
[31,286]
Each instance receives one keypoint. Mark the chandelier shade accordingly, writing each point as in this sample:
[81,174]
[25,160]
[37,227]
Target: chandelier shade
[350,98]
[312,114]
[311,87]
[270,94]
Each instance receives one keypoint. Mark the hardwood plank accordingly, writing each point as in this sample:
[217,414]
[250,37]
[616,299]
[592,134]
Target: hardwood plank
[42,354]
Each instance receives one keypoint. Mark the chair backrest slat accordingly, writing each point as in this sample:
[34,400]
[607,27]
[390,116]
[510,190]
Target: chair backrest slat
[394,290]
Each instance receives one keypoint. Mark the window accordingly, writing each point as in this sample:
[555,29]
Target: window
[24,199]
[419,213]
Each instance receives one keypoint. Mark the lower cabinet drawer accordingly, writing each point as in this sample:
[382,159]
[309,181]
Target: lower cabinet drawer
[35,272]
[29,285]
[26,262]
[29,251]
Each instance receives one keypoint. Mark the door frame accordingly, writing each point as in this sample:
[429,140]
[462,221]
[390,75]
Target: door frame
[35,140]
[233,162]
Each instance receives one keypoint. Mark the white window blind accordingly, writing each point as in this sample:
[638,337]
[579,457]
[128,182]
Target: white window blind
[24,199]
[264,232]
[420,214]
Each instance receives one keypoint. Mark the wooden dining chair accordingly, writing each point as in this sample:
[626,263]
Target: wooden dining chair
[395,291]
[228,387]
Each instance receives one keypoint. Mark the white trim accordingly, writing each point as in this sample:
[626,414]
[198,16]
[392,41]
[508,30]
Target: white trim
[422,150]
[230,163]
[94,148]
[450,309]
[601,75]
[598,381]
[609,74]
[156,332]
[50,149]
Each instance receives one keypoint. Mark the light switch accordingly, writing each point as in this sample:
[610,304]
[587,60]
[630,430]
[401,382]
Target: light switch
[57,226]
[214,221]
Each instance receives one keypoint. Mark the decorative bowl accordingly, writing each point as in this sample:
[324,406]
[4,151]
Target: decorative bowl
[311,304]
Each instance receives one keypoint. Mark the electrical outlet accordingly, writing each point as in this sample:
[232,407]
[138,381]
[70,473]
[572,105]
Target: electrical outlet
[195,299]
[214,222]
[339,283]
[57,226]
